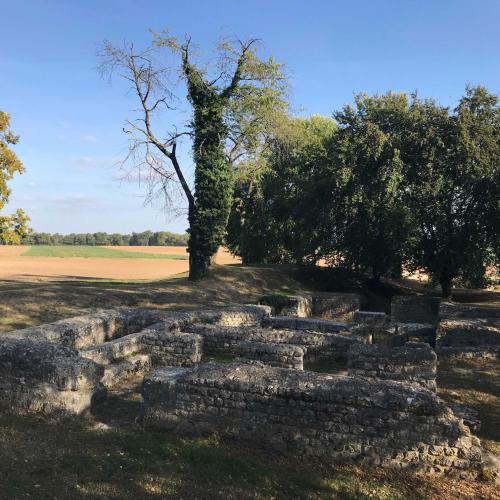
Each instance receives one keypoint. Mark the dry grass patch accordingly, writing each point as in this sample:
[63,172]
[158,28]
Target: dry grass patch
[24,304]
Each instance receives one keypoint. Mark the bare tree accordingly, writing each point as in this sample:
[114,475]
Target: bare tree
[222,109]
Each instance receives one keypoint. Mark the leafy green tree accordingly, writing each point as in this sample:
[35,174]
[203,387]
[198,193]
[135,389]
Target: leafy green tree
[401,183]
[141,239]
[101,238]
[270,221]
[68,239]
[369,220]
[117,239]
[13,228]
[241,77]
[453,186]
[90,239]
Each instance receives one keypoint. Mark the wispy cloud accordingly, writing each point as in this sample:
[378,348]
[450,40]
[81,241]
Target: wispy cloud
[76,201]
[88,161]
[89,139]
[85,161]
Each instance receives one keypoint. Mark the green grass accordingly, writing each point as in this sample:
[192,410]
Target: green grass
[219,358]
[90,252]
[71,460]
[475,383]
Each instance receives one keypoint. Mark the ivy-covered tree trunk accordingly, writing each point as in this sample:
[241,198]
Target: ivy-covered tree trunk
[445,281]
[213,178]
[213,189]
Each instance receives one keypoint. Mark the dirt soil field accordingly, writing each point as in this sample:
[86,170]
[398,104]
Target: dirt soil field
[16,267]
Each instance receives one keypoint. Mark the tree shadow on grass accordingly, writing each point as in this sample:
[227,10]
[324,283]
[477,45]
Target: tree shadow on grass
[67,459]
[475,383]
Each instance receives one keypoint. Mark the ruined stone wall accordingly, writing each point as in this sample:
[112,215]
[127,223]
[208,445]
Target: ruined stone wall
[468,338]
[414,362]
[46,377]
[244,315]
[415,309]
[467,332]
[281,355]
[372,317]
[343,419]
[289,305]
[337,306]
[124,341]
[316,345]
[172,348]
[89,329]
[313,324]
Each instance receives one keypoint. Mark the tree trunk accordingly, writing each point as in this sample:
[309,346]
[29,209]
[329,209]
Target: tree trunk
[198,267]
[445,282]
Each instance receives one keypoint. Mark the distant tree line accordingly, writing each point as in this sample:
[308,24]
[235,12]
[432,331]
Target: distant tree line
[146,238]
[392,183]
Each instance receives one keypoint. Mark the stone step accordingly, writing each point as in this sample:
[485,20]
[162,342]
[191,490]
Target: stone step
[109,352]
[314,324]
[369,317]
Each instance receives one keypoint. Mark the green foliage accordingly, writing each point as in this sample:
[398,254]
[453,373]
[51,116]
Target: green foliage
[399,183]
[453,186]
[370,219]
[235,107]
[268,209]
[213,175]
[232,106]
[12,227]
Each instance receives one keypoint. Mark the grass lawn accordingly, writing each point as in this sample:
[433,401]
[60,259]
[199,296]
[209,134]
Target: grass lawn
[90,252]
[475,383]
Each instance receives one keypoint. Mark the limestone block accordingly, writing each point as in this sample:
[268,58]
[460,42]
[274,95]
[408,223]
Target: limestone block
[46,377]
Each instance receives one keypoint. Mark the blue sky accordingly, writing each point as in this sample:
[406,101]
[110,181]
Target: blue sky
[70,119]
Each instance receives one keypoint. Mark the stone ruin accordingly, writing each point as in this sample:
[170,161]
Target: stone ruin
[380,406]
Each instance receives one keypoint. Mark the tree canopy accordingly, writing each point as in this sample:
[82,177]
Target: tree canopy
[12,227]
[393,182]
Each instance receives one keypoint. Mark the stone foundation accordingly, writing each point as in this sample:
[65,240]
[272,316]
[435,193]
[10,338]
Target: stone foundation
[336,306]
[382,413]
[413,363]
[344,419]
[314,345]
[467,332]
[313,324]
[90,329]
[46,377]
[369,317]
[122,341]
[415,309]
[468,338]
[172,348]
